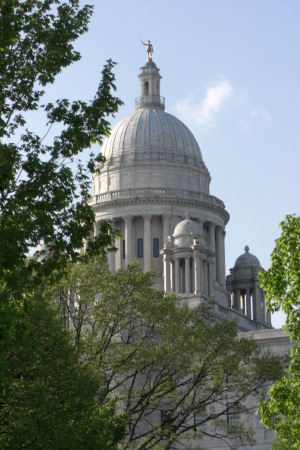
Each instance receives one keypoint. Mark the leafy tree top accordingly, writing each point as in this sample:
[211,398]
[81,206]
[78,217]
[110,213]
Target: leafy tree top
[42,197]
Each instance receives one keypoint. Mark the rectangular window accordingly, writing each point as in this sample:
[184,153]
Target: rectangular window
[123,249]
[200,419]
[155,247]
[233,417]
[165,417]
[140,248]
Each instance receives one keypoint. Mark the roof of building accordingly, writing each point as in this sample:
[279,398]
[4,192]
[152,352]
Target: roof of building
[247,259]
[187,227]
[156,133]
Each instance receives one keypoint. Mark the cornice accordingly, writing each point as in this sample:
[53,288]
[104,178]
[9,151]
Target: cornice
[118,202]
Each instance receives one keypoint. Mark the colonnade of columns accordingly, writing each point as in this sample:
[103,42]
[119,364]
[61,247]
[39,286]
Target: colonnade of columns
[251,302]
[195,273]
[188,274]
[127,250]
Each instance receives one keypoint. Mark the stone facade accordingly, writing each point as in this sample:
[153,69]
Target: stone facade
[154,187]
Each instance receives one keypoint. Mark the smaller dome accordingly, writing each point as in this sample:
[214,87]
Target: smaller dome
[187,227]
[247,260]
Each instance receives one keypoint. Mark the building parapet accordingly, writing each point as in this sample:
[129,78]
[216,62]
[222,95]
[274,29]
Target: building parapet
[148,193]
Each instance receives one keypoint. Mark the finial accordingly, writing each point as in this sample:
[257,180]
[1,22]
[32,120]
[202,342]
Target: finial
[149,49]
[247,249]
[187,215]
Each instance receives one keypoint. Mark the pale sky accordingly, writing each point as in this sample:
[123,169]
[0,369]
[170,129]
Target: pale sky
[231,73]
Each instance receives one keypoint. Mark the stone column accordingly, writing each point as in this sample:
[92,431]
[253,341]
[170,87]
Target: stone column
[257,302]
[197,274]
[202,281]
[111,261]
[97,228]
[187,275]
[238,300]
[128,239]
[211,234]
[172,267]
[248,303]
[147,241]
[269,321]
[223,258]
[177,276]
[167,278]
[212,245]
[205,286]
[166,228]
[111,255]
[211,274]
[219,256]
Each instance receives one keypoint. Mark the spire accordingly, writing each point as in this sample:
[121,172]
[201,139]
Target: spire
[150,87]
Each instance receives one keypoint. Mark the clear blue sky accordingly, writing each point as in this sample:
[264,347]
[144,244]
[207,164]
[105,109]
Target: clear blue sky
[231,73]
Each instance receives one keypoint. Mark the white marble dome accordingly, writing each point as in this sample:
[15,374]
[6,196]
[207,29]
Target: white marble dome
[152,135]
[187,227]
[247,259]
[186,231]
[151,152]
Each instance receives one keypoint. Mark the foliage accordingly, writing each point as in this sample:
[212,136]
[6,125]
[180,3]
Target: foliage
[282,284]
[44,187]
[54,402]
[165,363]
[41,197]
[279,444]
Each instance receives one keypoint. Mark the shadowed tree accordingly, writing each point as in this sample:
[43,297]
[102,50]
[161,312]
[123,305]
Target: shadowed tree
[55,400]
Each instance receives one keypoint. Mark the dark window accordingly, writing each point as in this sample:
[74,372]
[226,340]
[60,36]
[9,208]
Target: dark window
[233,417]
[146,88]
[200,417]
[165,416]
[155,247]
[123,249]
[140,248]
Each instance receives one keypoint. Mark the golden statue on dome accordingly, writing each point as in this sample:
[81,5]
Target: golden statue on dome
[149,49]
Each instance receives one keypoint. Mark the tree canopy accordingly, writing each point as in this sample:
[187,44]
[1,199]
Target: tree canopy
[282,285]
[55,399]
[177,373]
[42,197]
[44,186]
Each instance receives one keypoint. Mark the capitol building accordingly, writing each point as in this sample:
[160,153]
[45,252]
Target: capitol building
[155,188]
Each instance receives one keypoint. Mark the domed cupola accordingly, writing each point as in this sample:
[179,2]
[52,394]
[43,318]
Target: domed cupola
[186,232]
[246,295]
[150,87]
[247,261]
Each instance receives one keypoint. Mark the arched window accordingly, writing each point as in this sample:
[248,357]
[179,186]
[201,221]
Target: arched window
[146,88]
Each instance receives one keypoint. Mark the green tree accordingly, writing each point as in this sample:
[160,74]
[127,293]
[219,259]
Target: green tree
[44,186]
[279,444]
[173,370]
[55,401]
[282,285]
[42,196]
